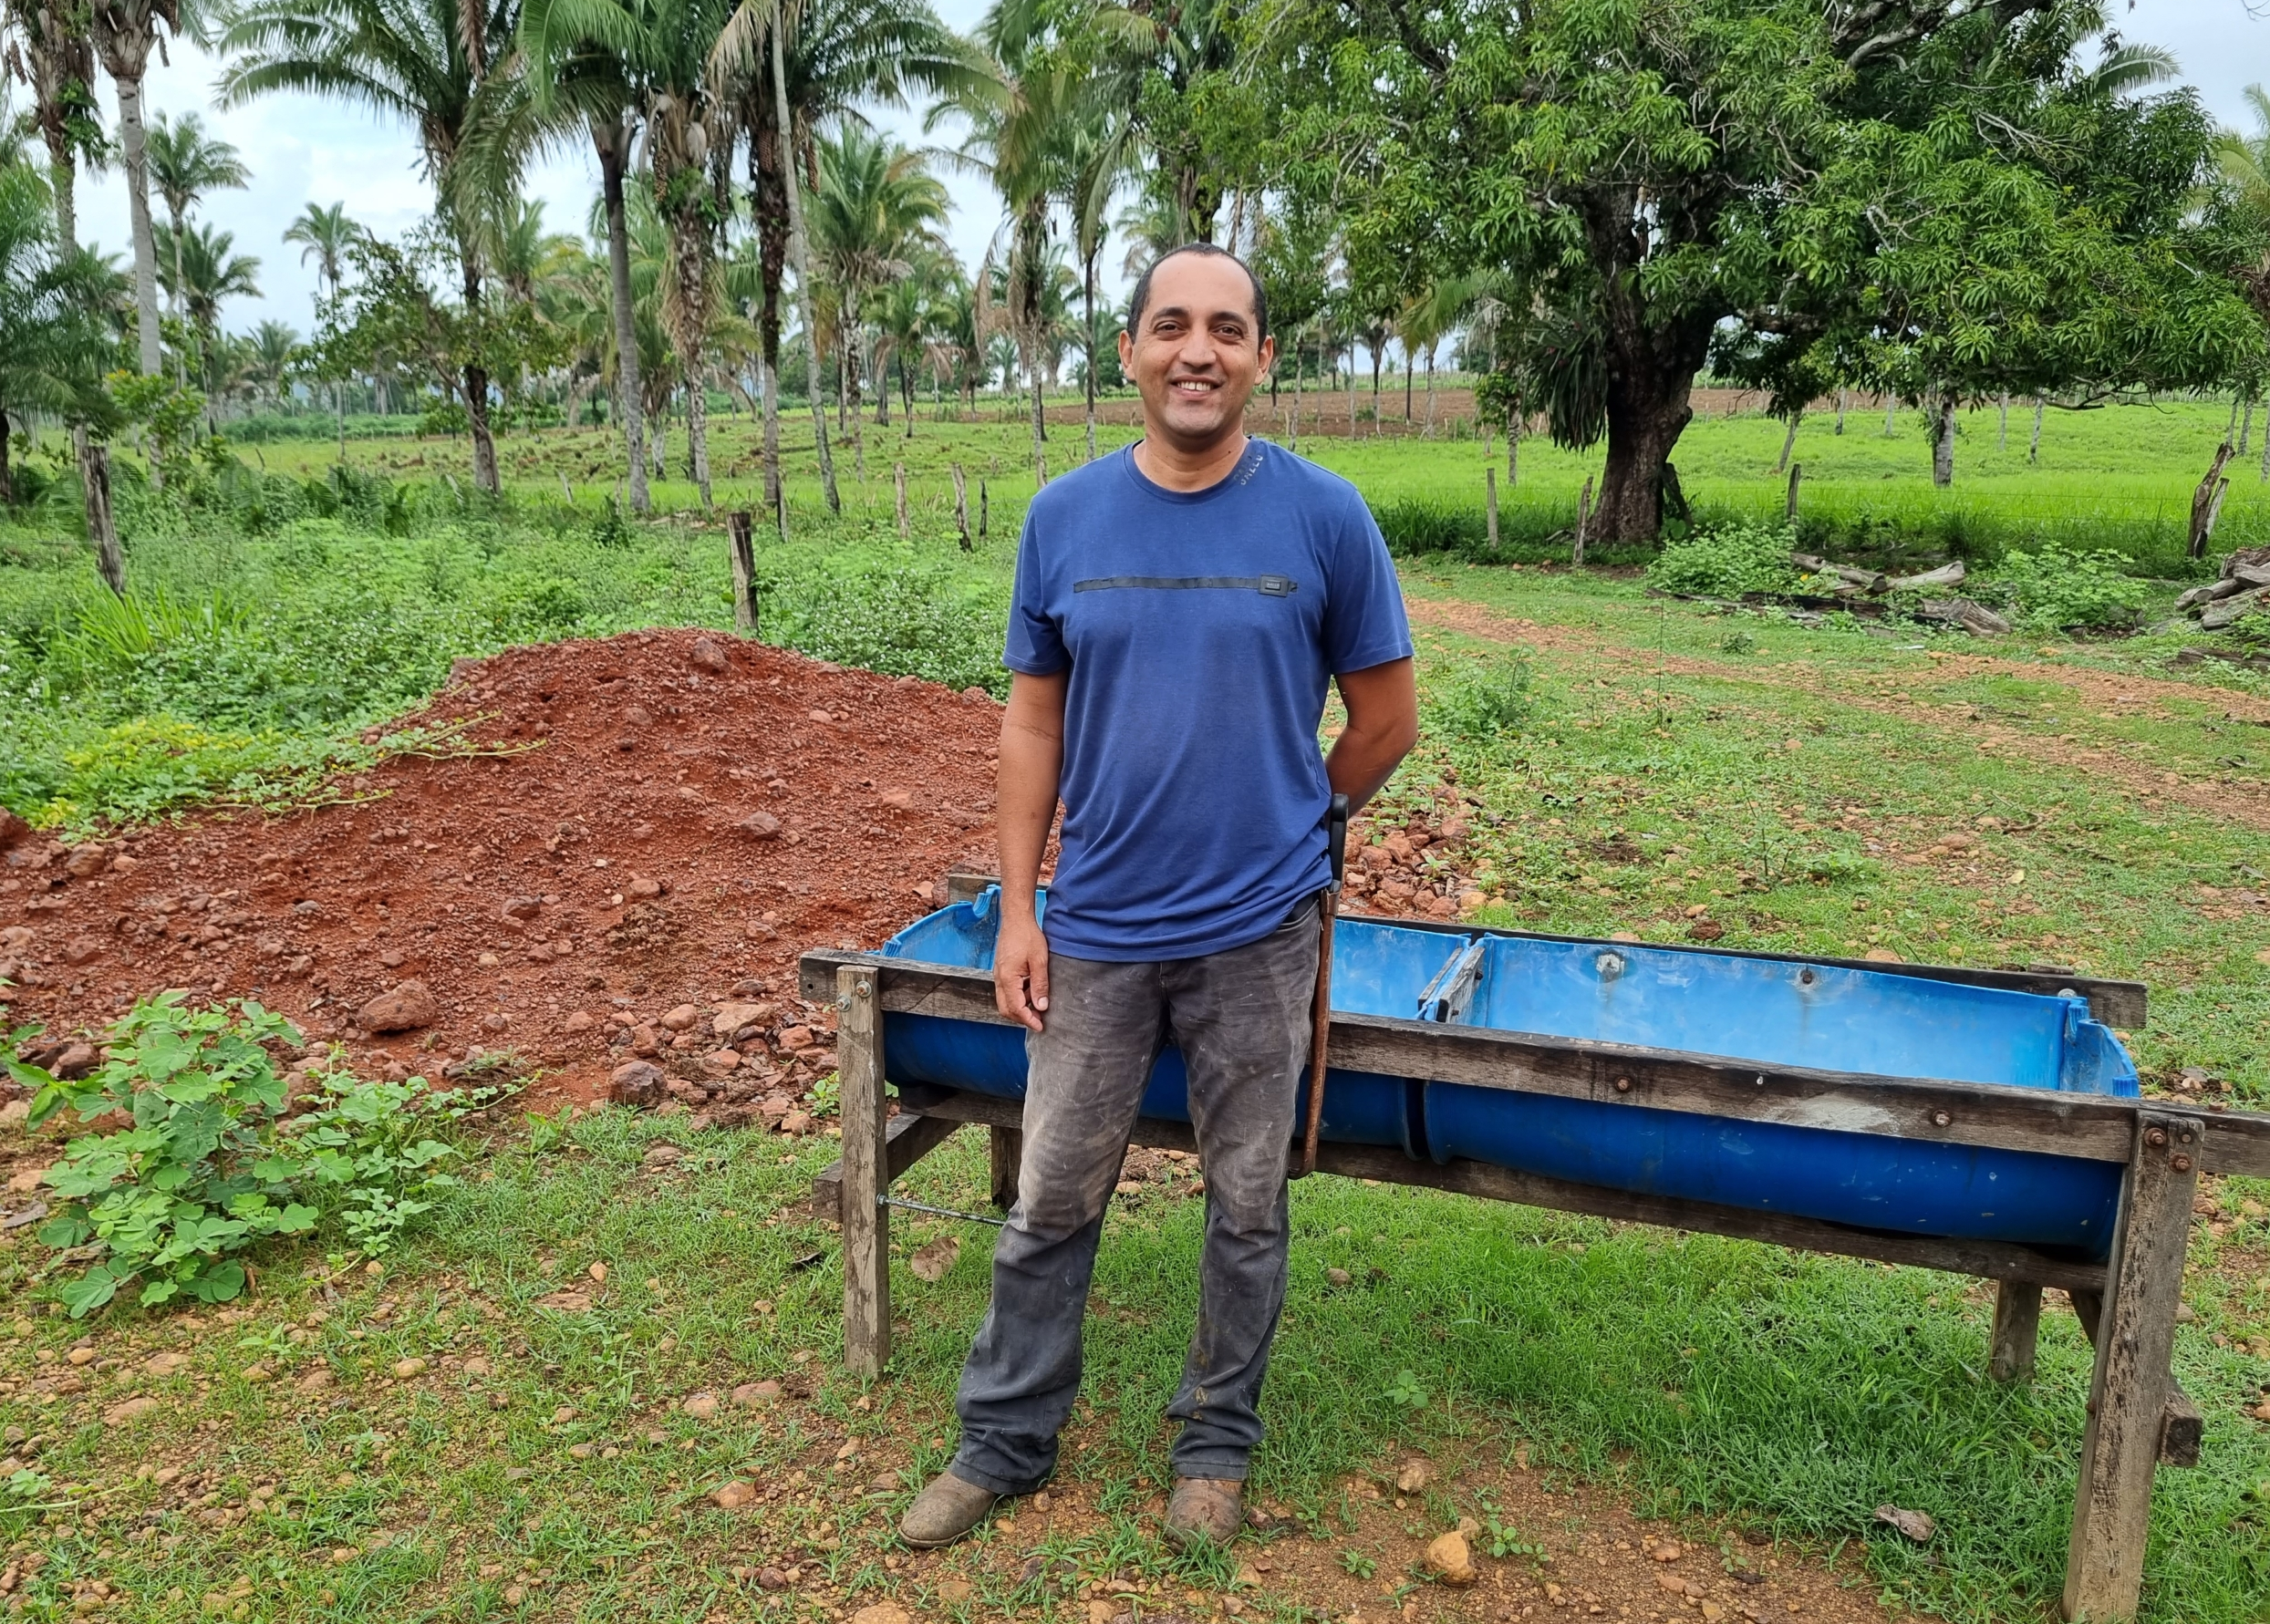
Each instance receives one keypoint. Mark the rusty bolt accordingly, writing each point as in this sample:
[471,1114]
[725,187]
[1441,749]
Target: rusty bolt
[1940,1119]
[2181,1164]
[1623,1085]
[2155,1137]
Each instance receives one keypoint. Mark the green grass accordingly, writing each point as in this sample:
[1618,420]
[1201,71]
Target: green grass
[1702,1377]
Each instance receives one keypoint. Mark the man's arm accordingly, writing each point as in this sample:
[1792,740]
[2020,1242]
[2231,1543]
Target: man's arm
[1383,703]
[1032,760]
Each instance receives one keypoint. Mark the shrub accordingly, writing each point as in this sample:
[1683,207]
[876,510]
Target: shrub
[2053,589]
[1726,561]
[918,622]
[1481,702]
[210,1165]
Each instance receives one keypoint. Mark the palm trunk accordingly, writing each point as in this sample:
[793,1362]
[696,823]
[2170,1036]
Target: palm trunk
[1088,292]
[848,400]
[697,435]
[797,248]
[134,150]
[477,389]
[63,181]
[1040,434]
[627,382]
[180,362]
[1297,364]
[7,484]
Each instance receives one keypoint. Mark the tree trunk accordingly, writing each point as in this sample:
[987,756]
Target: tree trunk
[698,436]
[134,150]
[608,141]
[1839,412]
[1087,289]
[1650,374]
[1788,443]
[1943,439]
[1513,467]
[804,266]
[2033,451]
[180,362]
[102,527]
[62,180]
[1351,392]
[1428,432]
[1040,434]
[906,396]
[1297,360]
[847,346]
[2002,432]
[477,385]
[1376,360]
[1407,383]
[7,483]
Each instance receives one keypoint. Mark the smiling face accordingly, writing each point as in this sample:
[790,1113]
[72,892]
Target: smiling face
[1195,356]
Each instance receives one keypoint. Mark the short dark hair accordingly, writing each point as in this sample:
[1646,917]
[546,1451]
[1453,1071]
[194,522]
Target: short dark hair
[1141,298]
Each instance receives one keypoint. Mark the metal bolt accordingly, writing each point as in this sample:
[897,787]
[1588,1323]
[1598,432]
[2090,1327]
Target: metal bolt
[2181,1163]
[1940,1119]
[2155,1137]
[1623,1085]
[863,989]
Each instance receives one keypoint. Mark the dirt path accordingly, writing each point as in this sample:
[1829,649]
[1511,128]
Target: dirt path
[2235,799]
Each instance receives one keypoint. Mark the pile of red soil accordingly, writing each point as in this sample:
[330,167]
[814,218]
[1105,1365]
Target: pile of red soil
[658,824]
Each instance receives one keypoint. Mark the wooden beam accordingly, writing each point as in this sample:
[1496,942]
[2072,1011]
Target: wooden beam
[2045,1121]
[867,1221]
[908,1139]
[1006,1155]
[2017,1330]
[2181,1428]
[2129,1391]
[1991,1259]
[2123,1004]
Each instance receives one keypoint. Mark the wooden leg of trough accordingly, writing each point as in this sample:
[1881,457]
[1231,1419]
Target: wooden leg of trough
[2018,1327]
[1009,1152]
[866,1177]
[2128,1391]
[908,1139]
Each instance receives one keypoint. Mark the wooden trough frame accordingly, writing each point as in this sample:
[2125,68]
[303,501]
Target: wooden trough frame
[2138,1415]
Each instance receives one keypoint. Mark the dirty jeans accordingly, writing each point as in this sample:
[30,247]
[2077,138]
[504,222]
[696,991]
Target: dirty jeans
[1241,1020]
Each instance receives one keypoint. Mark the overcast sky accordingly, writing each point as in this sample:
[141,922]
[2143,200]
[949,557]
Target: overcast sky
[303,149]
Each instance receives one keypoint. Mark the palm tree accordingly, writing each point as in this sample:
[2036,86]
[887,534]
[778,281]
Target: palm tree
[826,59]
[185,163]
[661,49]
[325,235]
[56,61]
[274,351]
[203,270]
[876,206]
[421,61]
[125,31]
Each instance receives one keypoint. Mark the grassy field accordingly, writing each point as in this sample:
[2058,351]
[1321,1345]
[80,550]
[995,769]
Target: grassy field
[2121,477]
[542,1464]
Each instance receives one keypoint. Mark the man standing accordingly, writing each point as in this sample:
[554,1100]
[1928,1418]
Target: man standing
[1180,607]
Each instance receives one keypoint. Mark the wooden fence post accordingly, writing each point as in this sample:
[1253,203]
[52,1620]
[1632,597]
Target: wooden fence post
[961,505]
[2129,1391]
[898,479]
[984,508]
[1008,1158]
[1491,472]
[1583,518]
[867,1178]
[2017,1330]
[737,529]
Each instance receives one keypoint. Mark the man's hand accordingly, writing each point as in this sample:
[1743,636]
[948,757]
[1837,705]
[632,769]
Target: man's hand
[1033,756]
[1020,972]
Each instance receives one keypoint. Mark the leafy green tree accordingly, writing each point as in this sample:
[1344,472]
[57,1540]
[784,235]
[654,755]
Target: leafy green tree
[185,163]
[203,270]
[420,61]
[1756,174]
[54,349]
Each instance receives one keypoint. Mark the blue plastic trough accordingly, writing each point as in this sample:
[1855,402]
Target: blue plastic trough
[1768,1012]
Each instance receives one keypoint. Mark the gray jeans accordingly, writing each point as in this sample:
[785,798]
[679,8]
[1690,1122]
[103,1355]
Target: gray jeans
[1241,1021]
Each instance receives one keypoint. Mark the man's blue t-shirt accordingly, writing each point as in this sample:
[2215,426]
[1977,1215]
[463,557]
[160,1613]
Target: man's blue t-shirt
[1201,629]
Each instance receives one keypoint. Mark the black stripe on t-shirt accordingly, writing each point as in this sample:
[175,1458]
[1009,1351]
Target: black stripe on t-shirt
[1274,586]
